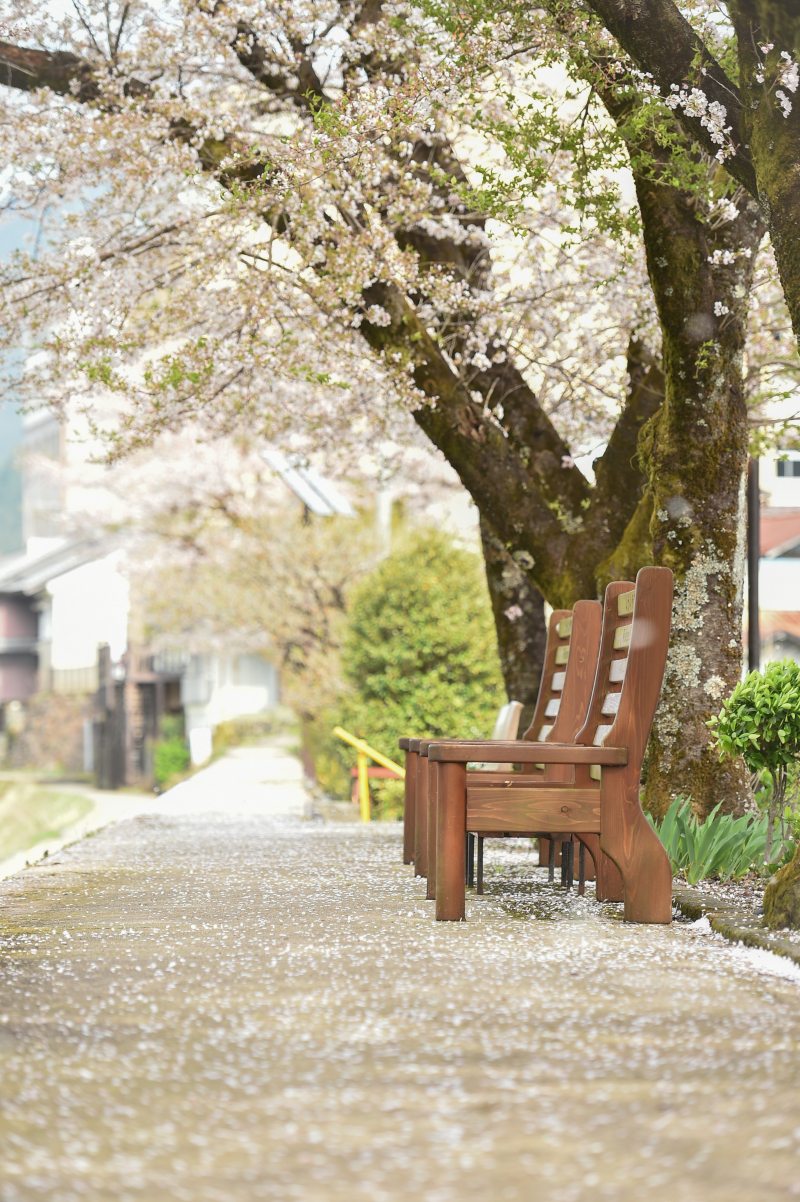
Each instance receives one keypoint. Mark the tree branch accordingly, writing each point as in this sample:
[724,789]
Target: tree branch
[660,40]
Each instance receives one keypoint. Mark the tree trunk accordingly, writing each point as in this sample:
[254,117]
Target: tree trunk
[518,609]
[772,137]
[782,896]
[695,453]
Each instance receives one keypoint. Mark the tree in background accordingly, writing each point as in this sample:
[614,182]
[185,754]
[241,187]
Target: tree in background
[420,649]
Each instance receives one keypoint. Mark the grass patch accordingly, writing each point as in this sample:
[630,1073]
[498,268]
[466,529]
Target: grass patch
[29,813]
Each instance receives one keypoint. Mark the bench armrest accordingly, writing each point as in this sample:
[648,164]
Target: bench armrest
[520,752]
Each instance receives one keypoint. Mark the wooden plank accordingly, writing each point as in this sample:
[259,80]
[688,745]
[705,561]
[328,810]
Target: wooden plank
[451,827]
[410,807]
[492,810]
[526,753]
[625,603]
[622,637]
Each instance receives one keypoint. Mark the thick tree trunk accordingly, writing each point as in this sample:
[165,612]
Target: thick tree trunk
[772,137]
[518,609]
[764,139]
[695,453]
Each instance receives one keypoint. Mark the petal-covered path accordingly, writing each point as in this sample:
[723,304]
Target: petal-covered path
[238,1004]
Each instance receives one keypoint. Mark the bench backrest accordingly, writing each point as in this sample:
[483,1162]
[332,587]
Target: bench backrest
[630,668]
[507,723]
[551,683]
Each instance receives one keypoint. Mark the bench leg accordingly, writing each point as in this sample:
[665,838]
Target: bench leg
[421,819]
[409,807]
[581,870]
[479,882]
[551,860]
[432,817]
[469,861]
[639,855]
[451,826]
[609,881]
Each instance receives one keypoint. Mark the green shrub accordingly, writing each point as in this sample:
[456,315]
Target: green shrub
[170,753]
[721,846]
[420,652]
[761,721]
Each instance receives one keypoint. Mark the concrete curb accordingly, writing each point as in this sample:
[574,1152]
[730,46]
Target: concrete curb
[733,922]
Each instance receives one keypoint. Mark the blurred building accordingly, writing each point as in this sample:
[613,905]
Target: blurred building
[65,634]
[779,570]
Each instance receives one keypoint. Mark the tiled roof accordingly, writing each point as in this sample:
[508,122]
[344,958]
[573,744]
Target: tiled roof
[778,526]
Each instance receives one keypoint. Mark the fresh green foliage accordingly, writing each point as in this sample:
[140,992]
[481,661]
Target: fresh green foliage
[170,754]
[420,652]
[721,846]
[761,721]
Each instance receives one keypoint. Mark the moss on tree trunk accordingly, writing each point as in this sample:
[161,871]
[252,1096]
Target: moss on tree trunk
[695,453]
[771,134]
[782,896]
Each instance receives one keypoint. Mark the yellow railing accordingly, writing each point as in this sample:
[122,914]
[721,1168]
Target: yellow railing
[366,752]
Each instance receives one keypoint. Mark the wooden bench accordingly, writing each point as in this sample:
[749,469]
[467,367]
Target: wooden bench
[600,803]
[415,810]
[570,663]
[416,838]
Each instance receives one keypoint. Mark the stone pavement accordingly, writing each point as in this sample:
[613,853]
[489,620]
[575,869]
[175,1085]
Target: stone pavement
[218,1002]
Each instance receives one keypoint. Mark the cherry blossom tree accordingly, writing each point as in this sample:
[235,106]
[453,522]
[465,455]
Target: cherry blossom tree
[323,218]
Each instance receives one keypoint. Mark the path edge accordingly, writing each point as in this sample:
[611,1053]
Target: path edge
[736,925]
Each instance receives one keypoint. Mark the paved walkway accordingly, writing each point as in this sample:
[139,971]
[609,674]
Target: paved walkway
[221,1002]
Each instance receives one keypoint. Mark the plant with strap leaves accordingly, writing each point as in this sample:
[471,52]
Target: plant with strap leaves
[761,721]
[721,846]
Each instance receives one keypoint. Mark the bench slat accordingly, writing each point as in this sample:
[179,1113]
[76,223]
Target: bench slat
[544,810]
[622,637]
[625,603]
[525,753]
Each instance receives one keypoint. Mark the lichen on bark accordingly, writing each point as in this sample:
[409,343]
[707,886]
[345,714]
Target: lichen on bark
[695,454]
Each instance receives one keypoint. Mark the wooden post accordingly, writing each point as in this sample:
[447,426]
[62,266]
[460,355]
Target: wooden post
[409,807]
[753,557]
[421,819]
[432,824]
[363,786]
[451,826]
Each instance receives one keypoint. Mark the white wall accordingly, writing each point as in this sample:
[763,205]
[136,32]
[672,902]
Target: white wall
[782,491]
[216,689]
[90,605]
[779,584]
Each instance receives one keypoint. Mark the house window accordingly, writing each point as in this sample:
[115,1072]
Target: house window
[789,467]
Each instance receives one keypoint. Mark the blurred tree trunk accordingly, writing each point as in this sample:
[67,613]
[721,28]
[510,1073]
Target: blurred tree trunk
[519,619]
